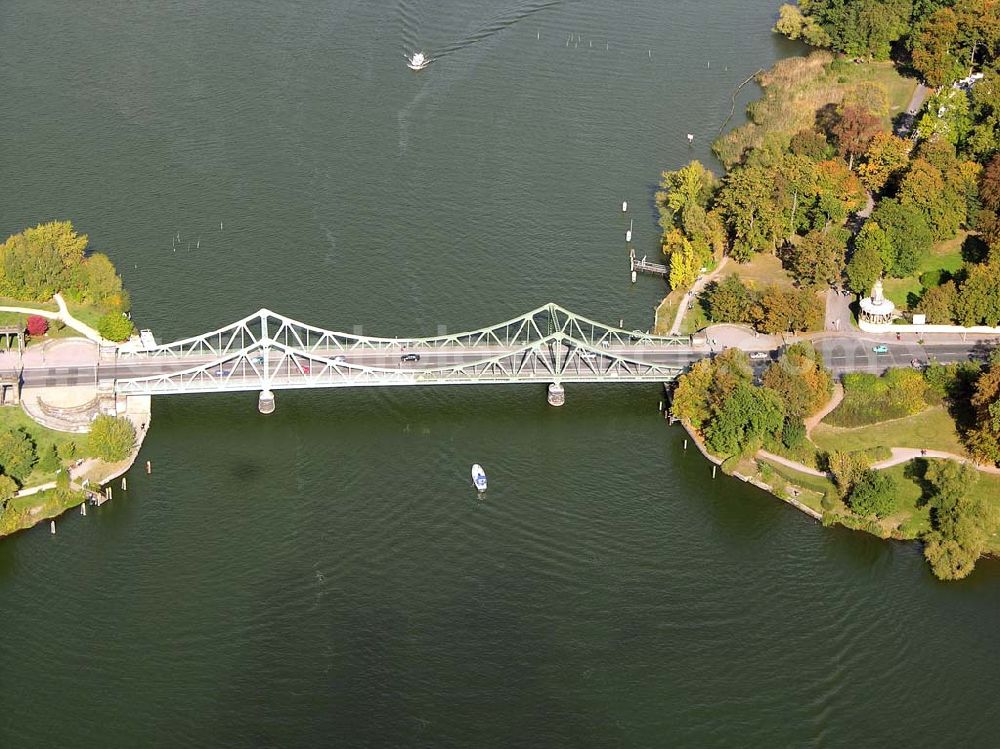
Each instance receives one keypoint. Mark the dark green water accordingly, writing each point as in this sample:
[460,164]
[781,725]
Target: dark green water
[324,576]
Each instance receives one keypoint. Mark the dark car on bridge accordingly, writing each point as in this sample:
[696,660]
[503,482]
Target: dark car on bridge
[410,357]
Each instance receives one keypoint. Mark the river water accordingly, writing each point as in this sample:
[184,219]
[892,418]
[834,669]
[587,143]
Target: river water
[324,576]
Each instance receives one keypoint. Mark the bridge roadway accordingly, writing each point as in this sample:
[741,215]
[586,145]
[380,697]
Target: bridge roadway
[842,354]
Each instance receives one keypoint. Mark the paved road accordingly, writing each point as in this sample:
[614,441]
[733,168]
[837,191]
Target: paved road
[841,354]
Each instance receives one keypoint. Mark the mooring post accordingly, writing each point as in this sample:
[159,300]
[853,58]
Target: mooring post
[124,484]
[713,470]
[52,527]
[685,444]
[149,467]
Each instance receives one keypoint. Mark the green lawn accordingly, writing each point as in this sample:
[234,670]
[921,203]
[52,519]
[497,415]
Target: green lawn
[49,504]
[814,487]
[12,417]
[763,270]
[931,429]
[945,256]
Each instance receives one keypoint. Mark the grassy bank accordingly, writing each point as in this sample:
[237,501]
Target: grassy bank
[931,429]
[24,512]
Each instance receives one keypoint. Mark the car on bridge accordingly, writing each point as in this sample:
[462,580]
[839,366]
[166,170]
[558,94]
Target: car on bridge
[881,349]
[410,357]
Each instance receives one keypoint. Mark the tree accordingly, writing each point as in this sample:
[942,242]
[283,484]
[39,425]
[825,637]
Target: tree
[38,261]
[729,300]
[924,188]
[978,299]
[867,263]
[684,197]
[111,438]
[817,258]
[685,261]
[744,419]
[115,326]
[811,144]
[66,451]
[800,380]
[751,215]
[846,468]
[8,488]
[97,281]
[17,454]
[48,461]
[989,184]
[690,402]
[935,46]
[984,437]
[854,131]
[959,520]
[947,117]
[885,159]
[938,303]
[793,24]
[37,326]
[873,494]
[985,112]
[908,233]
[782,310]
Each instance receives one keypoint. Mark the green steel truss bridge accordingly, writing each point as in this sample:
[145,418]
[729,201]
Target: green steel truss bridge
[266,352]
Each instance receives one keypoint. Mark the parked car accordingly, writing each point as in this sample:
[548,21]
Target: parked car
[410,357]
[760,355]
[881,349]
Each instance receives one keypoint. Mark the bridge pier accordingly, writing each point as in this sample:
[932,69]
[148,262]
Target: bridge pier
[557,394]
[265,403]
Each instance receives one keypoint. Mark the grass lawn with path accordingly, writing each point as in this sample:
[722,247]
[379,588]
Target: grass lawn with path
[931,429]
[944,256]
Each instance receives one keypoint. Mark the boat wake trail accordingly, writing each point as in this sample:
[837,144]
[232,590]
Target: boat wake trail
[498,23]
[410,19]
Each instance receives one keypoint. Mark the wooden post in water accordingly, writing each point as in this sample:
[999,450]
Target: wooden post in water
[713,470]
[685,444]
[52,527]
[124,484]
[83,507]
[149,467]
[107,492]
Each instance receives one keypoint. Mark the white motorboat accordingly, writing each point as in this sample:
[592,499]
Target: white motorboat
[479,477]
[418,61]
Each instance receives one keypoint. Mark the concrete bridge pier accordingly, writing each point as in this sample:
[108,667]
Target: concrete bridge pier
[265,403]
[557,394]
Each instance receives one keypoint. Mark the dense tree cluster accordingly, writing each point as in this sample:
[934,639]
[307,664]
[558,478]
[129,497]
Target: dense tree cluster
[38,262]
[719,398]
[960,520]
[773,309]
[111,438]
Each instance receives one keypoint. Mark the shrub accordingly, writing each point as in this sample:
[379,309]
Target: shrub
[17,454]
[111,438]
[37,325]
[869,399]
[115,327]
[67,450]
[873,494]
[48,461]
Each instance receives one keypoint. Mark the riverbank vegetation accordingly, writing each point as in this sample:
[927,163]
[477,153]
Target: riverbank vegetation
[52,257]
[832,177]
[952,509]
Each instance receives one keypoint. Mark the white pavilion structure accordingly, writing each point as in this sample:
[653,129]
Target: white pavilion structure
[876,308]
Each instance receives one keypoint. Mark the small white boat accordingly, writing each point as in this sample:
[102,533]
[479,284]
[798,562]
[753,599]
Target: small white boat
[479,478]
[418,61]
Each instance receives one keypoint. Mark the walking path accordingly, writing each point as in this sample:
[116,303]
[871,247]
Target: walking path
[793,464]
[904,454]
[693,292]
[835,399]
[63,314]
